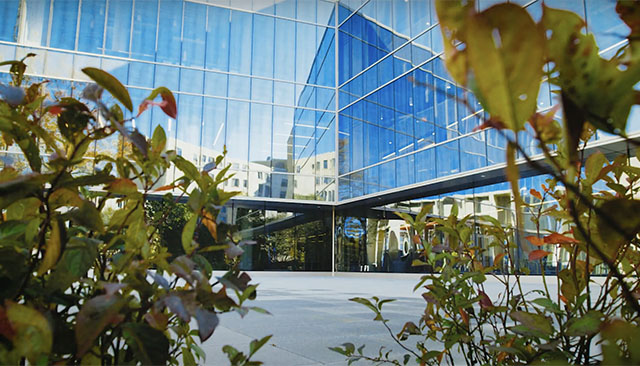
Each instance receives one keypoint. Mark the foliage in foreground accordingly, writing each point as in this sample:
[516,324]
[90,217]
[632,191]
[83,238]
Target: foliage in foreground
[83,278]
[500,54]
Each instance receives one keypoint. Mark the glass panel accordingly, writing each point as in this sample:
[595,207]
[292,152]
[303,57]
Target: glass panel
[282,159]
[193,43]
[238,147]
[213,130]
[9,9]
[217,50]
[167,76]
[191,81]
[168,49]
[283,93]
[63,24]
[141,74]
[145,17]
[118,29]
[282,185]
[604,22]
[448,158]
[263,35]
[80,62]
[261,90]
[215,84]
[59,64]
[189,127]
[91,32]
[240,41]
[286,8]
[119,69]
[307,10]
[285,50]
[305,51]
[37,22]
[259,137]
[143,122]
[239,87]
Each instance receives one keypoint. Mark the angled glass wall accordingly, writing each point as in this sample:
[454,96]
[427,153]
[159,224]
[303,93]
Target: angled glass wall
[402,120]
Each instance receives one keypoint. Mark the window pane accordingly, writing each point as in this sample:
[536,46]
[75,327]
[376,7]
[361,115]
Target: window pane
[9,9]
[238,147]
[193,41]
[169,38]
[63,24]
[213,129]
[263,33]
[215,84]
[91,26]
[191,81]
[285,50]
[167,76]
[143,43]
[240,41]
[141,74]
[217,51]
[260,135]
[37,19]
[282,139]
[118,28]
[305,51]
[189,127]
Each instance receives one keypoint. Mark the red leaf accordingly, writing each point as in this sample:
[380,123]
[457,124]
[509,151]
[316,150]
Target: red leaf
[165,188]
[538,254]
[535,194]
[170,107]
[485,301]
[55,110]
[535,240]
[556,238]
[465,316]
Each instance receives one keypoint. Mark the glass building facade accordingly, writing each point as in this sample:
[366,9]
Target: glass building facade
[324,106]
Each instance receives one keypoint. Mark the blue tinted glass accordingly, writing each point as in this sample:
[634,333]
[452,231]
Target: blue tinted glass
[141,74]
[119,69]
[357,144]
[263,35]
[285,50]
[193,37]
[37,19]
[91,32]
[240,42]
[325,62]
[213,131]
[145,17]
[217,50]
[283,93]
[215,84]
[305,51]
[259,135]
[168,49]
[264,6]
[325,12]
[307,10]
[344,139]
[282,139]
[604,22]
[286,8]
[189,125]
[473,152]
[261,90]
[167,76]
[9,9]
[63,24]
[448,159]
[239,87]
[191,81]
[118,28]
[238,146]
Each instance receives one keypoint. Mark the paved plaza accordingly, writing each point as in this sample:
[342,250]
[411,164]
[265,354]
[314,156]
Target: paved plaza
[311,312]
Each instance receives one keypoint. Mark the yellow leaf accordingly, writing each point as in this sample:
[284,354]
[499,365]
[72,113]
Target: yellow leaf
[52,250]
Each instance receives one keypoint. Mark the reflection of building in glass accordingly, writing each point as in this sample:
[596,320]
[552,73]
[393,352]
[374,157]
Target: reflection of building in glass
[334,113]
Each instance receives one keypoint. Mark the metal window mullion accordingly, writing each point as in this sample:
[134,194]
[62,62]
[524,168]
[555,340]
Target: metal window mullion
[133,12]
[75,43]
[106,24]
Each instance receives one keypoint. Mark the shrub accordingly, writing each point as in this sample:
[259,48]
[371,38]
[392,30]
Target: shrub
[84,277]
[500,54]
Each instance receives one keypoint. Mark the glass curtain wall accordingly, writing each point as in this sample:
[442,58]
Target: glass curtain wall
[402,120]
[256,76]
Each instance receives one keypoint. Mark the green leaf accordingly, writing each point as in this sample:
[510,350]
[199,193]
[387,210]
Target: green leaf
[593,167]
[149,346]
[365,302]
[12,229]
[536,324]
[586,325]
[187,357]
[256,344]
[111,84]
[88,216]
[505,51]
[76,260]
[623,212]
[33,337]
[93,318]
[187,235]
[158,140]
[548,305]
